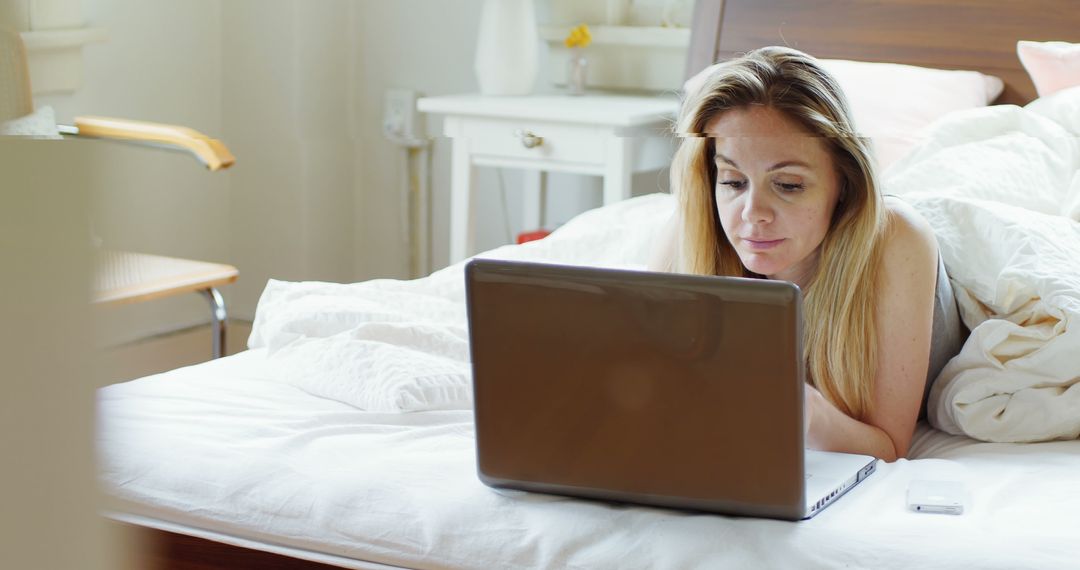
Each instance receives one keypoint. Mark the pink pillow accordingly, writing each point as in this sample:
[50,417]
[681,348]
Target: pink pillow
[1052,66]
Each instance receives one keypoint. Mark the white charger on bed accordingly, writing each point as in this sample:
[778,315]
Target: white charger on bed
[940,497]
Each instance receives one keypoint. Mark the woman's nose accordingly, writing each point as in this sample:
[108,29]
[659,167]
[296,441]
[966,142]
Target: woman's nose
[757,208]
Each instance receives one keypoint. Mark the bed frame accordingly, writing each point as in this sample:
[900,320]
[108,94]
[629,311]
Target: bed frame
[161,550]
[979,35]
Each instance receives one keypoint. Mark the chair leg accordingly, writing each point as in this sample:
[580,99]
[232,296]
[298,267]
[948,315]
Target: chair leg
[217,321]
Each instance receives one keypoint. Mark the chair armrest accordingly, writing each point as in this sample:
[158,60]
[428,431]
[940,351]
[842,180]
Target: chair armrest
[210,152]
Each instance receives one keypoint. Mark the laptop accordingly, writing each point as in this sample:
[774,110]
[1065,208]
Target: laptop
[661,389]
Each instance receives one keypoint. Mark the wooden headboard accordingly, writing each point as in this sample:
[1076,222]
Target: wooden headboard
[980,35]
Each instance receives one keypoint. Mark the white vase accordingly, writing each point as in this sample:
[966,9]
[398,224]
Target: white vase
[678,13]
[577,71]
[506,50]
[618,12]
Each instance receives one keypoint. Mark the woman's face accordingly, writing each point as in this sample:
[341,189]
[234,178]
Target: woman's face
[776,189]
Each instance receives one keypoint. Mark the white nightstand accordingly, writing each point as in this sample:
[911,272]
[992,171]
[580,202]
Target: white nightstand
[612,136]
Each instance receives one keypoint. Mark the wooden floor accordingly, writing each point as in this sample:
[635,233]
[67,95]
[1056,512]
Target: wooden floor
[166,352]
[162,550]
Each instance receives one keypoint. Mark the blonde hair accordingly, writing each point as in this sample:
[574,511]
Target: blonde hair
[840,336]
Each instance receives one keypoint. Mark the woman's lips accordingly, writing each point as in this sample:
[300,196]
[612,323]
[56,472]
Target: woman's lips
[762,244]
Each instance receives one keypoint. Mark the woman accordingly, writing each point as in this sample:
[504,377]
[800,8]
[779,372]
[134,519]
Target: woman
[773,182]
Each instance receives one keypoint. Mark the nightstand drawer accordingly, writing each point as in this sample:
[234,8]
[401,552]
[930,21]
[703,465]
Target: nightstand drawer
[534,140]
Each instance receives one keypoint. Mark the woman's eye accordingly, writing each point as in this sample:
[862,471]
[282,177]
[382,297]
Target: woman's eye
[789,187]
[733,184]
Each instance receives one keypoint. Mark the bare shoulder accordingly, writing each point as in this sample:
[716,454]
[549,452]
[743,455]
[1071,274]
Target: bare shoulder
[905,313]
[909,239]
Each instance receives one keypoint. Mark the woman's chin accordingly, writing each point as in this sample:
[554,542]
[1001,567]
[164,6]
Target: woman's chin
[756,264]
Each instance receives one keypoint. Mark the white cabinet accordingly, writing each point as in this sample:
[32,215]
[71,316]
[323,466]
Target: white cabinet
[612,136]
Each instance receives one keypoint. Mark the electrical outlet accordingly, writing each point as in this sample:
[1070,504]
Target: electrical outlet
[400,118]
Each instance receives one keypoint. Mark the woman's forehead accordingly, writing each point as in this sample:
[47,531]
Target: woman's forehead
[754,121]
[760,137]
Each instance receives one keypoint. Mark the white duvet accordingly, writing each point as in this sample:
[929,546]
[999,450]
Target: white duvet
[390,345]
[999,185]
[1001,188]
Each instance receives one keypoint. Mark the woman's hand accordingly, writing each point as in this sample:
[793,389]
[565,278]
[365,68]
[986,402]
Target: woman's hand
[829,429]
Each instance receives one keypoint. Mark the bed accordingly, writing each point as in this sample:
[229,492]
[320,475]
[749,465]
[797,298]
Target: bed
[343,437]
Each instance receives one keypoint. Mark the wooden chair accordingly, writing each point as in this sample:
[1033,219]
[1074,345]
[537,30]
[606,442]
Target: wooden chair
[127,277]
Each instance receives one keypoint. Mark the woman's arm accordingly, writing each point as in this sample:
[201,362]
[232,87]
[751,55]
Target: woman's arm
[905,313]
[829,429]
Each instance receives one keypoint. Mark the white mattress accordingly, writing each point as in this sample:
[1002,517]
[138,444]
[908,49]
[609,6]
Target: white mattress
[220,451]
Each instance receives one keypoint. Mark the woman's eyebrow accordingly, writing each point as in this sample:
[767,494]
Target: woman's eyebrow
[776,166]
[727,160]
[787,163]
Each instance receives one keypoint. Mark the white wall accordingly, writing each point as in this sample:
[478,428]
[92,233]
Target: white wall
[287,102]
[269,78]
[426,45]
[295,88]
[162,63]
[429,45]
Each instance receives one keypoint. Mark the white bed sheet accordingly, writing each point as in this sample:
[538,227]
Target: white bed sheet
[225,451]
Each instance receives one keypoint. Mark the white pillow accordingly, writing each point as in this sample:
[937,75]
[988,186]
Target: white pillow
[383,366]
[892,103]
[41,124]
[381,346]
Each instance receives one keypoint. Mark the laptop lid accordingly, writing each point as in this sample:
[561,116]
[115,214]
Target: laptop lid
[674,390]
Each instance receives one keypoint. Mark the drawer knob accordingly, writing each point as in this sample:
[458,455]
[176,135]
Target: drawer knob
[529,139]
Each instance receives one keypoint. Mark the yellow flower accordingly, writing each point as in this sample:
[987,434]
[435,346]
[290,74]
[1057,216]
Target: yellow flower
[579,37]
